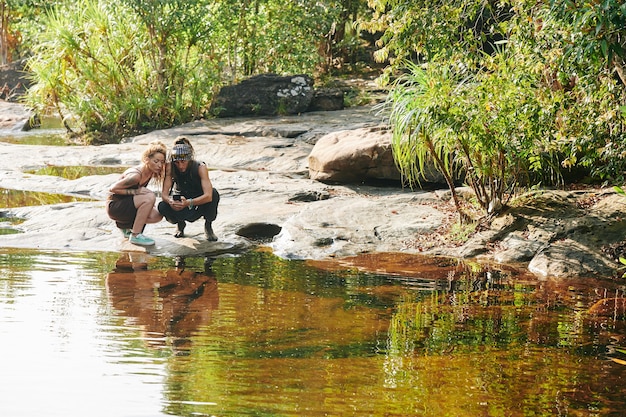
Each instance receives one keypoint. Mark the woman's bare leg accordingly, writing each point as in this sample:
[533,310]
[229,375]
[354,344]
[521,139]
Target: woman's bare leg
[145,206]
[154,216]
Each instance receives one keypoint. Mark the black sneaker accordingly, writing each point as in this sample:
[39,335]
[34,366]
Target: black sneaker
[180,229]
[208,232]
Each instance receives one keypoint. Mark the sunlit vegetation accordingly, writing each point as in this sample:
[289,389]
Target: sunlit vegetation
[622,352]
[111,68]
[505,94]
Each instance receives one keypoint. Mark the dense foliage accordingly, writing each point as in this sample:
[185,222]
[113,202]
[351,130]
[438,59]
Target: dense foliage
[506,93]
[120,75]
[113,68]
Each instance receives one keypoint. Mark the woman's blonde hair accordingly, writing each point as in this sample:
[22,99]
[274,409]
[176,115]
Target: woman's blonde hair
[155,147]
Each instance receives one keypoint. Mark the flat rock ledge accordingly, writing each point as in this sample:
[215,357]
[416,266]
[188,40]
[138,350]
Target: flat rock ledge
[259,165]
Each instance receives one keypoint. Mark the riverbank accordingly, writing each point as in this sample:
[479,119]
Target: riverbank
[260,167]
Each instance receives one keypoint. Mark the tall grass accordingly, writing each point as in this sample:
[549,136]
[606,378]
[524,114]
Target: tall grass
[492,128]
[106,69]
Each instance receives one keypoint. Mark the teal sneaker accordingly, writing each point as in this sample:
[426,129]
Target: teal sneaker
[126,232]
[141,240]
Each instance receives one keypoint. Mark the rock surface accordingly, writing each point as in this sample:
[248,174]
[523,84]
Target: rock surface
[260,166]
[359,155]
[265,95]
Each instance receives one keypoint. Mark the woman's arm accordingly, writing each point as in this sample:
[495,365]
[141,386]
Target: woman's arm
[207,187]
[124,186]
[167,182]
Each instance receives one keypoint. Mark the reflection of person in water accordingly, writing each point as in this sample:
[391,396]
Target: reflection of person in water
[172,303]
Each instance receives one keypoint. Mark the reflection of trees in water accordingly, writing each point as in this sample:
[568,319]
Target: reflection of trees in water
[510,333]
[488,306]
[166,303]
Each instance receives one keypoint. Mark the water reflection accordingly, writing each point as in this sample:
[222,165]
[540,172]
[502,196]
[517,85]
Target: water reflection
[19,198]
[51,133]
[63,353]
[257,335]
[72,172]
[169,305]
[41,137]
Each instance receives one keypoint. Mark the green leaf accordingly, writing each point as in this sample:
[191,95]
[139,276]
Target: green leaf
[598,28]
[604,46]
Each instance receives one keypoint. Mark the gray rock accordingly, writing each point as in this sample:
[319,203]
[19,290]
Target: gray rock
[265,95]
[358,155]
[13,116]
[267,198]
[327,99]
[353,156]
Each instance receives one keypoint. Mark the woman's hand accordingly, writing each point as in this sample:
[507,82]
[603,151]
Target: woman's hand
[178,205]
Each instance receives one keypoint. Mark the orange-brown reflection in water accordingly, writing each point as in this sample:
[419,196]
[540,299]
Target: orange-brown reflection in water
[167,304]
[402,264]
[606,296]
[280,351]
[470,291]
[486,343]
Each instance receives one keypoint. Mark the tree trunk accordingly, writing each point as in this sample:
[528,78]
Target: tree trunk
[463,216]
[4,32]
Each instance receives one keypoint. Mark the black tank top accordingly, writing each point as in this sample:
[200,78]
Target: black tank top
[188,183]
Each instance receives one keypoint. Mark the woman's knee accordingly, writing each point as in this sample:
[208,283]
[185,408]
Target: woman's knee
[144,199]
[154,216]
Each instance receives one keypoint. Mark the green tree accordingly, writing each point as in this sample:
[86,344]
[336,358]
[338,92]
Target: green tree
[19,19]
[118,68]
[521,110]
[595,32]
[454,31]
[584,47]
[489,128]
[282,37]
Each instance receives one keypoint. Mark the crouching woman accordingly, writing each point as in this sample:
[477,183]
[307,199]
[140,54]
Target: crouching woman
[188,193]
[131,204]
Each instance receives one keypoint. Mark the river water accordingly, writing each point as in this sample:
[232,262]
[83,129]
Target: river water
[125,334]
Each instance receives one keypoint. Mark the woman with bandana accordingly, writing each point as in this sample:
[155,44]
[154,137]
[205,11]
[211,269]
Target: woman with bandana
[187,193]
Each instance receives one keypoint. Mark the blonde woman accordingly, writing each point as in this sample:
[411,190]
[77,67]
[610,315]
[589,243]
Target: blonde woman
[131,203]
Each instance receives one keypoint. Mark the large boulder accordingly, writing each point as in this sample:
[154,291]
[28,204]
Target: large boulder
[265,95]
[13,116]
[14,80]
[327,99]
[356,156]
